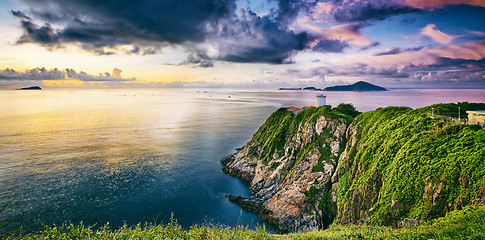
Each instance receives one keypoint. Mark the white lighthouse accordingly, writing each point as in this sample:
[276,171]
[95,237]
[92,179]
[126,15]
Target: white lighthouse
[321,100]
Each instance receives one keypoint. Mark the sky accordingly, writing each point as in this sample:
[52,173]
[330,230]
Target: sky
[242,43]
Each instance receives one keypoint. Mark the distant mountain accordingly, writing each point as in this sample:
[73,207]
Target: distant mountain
[30,88]
[358,87]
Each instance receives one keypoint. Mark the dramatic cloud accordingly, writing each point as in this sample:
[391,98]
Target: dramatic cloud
[56,74]
[346,32]
[350,32]
[445,70]
[371,45]
[359,11]
[375,39]
[398,50]
[432,31]
[210,29]
[332,45]
[453,65]
[433,4]
[250,38]
[198,61]
[378,10]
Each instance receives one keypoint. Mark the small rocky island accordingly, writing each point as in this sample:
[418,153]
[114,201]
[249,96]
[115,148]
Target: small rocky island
[298,89]
[312,89]
[30,88]
[288,89]
[356,87]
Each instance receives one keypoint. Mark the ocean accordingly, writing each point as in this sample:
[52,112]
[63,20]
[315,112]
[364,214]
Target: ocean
[126,156]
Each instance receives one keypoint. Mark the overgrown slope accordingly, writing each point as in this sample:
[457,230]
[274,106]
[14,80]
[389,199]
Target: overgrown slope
[403,163]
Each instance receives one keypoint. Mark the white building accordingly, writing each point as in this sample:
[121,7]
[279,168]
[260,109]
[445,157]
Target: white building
[476,117]
[321,100]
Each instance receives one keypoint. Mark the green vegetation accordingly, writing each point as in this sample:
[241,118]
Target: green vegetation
[428,166]
[170,231]
[271,136]
[468,223]
[347,109]
[282,124]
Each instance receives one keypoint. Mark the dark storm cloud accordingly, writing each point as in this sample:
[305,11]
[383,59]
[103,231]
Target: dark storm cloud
[289,9]
[250,38]
[44,35]
[212,29]
[20,15]
[56,74]
[331,45]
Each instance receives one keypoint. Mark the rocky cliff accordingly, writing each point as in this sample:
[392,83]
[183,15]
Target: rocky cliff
[322,165]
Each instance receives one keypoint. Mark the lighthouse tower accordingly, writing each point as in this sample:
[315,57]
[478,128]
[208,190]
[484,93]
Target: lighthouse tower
[321,100]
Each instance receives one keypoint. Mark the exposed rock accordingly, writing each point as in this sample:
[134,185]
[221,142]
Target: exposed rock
[286,190]
[479,199]
[432,195]
[408,222]
[461,202]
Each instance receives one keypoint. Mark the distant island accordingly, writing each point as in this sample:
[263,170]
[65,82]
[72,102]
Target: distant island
[30,88]
[307,88]
[358,87]
[313,89]
[289,88]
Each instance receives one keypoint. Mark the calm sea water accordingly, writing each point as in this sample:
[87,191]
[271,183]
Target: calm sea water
[138,155]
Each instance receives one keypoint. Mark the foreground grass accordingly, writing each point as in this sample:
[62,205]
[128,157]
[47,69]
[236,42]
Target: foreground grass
[468,223]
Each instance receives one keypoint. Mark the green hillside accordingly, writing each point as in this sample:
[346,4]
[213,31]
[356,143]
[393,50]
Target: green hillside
[408,164]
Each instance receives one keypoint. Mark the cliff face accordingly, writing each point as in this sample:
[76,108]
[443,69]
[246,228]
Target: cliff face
[290,162]
[319,166]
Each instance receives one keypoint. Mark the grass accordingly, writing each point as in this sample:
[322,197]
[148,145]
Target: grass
[171,230]
[468,223]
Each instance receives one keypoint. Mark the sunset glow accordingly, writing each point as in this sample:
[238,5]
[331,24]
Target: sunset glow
[236,43]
